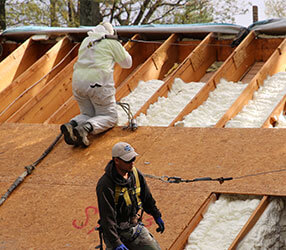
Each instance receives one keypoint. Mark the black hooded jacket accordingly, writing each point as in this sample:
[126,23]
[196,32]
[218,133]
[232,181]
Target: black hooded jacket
[114,218]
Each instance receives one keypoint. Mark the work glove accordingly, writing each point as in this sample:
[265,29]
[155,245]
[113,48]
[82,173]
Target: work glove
[161,225]
[121,247]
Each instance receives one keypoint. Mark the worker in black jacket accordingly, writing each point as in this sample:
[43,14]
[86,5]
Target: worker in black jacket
[122,192]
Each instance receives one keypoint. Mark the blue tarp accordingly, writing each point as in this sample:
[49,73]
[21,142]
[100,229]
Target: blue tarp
[270,26]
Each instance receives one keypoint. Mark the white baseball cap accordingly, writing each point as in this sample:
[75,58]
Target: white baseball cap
[124,151]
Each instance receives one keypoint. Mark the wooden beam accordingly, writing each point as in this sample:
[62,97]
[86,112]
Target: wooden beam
[251,222]
[276,63]
[195,65]
[238,63]
[232,70]
[53,95]
[19,61]
[265,47]
[7,49]
[273,117]
[182,239]
[35,78]
[155,67]
[64,113]
[191,69]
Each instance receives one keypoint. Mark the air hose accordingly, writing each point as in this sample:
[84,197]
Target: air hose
[28,170]
[132,124]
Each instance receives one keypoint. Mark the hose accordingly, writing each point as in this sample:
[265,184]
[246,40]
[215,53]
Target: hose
[29,170]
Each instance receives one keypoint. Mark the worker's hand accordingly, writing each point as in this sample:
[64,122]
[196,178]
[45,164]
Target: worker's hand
[161,225]
[121,247]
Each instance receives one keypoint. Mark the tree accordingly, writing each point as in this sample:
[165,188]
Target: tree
[31,12]
[275,8]
[53,12]
[2,15]
[119,12]
[197,11]
[90,13]
[225,11]
[130,12]
[73,19]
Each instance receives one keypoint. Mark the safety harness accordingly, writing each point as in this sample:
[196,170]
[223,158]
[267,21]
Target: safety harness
[124,191]
[112,37]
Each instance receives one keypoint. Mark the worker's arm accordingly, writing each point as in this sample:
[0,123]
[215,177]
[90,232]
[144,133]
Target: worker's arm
[149,203]
[126,63]
[120,54]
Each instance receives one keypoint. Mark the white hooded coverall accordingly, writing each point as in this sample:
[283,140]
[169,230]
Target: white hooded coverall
[93,84]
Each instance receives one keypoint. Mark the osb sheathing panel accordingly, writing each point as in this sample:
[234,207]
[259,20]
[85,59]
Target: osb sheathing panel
[56,206]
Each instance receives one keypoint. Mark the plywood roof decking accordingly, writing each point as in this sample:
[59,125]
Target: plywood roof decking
[55,208]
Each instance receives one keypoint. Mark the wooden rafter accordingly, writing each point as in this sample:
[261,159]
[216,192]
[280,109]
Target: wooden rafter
[276,63]
[232,70]
[34,79]
[251,221]
[155,67]
[182,239]
[192,68]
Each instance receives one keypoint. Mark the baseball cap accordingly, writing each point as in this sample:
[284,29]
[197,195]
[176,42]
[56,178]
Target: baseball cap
[124,151]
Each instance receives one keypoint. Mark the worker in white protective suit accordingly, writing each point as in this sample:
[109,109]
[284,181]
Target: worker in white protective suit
[93,85]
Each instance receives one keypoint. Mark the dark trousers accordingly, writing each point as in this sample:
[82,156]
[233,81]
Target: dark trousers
[137,238]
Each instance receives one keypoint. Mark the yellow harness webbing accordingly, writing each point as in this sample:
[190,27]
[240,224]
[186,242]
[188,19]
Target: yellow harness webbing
[124,191]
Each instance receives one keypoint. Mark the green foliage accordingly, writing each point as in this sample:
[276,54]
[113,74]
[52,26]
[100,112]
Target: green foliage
[40,12]
[196,11]
[25,13]
[2,15]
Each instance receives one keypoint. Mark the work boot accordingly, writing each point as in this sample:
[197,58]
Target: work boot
[81,132]
[67,130]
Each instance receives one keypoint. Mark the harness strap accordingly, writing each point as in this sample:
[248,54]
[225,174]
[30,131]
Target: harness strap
[113,37]
[90,44]
[138,187]
[124,191]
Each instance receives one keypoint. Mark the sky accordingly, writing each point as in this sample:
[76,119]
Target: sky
[246,20]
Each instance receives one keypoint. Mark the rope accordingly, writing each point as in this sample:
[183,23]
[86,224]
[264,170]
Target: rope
[125,39]
[260,173]
[174,179]
[29,170]
[161,178]
[177,44]
[26,90]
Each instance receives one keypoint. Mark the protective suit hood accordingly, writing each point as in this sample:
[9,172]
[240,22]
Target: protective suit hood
[98,32]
